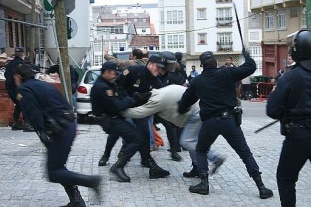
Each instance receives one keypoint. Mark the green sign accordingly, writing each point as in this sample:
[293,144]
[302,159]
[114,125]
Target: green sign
[48,6]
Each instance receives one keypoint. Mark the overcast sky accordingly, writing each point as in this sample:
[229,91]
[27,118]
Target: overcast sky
[120,2]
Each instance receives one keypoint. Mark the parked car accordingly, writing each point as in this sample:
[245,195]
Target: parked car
[84,107]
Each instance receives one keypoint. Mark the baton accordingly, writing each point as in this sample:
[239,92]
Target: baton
[264,127]
[238,22]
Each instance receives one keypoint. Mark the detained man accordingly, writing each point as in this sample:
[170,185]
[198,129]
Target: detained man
[163,102]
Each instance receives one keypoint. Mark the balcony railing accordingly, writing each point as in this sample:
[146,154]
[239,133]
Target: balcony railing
[223,1]
[224,21]
[224,46]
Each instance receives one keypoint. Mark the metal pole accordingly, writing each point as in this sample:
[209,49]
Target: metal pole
[102,48]
[22,22]
[33,32]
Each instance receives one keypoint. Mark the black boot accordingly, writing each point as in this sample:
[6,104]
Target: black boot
[75,198]
[118,170]
[156,171]
[175,156]
[28,128]
[193,172]
[263,191]
[16,126]
[201,188]
[103,160]
[217,164]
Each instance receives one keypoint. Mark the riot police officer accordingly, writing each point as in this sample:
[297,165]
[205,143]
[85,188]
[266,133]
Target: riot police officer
[53,120]
[215,90]
[11,89]
[107,104]
[291,103]
[143,79]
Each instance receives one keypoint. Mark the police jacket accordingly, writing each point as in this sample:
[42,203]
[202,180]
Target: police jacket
[215,88]
[166,79]
[105,99]
[9,72]
[40,100]
[177,78]
[183,70]
[138,79]
[292,97]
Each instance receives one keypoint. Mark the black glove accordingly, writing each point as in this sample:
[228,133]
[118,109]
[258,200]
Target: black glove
[141,98]
[245,53]
[44,138]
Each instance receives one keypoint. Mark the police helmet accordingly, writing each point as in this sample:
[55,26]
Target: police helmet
[170,60]
[300,48]
[178,56]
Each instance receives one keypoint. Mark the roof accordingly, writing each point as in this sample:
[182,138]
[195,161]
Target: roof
[145,40]
[110,24]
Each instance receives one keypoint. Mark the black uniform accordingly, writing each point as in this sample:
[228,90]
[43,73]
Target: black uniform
[106,100]
[183,70]
[215,88]
[291,103]
[10,85]
[51,114]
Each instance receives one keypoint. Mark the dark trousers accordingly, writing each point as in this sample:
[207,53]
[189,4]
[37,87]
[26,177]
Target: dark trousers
[58,152]
[142,126]
[246,88]
[17,110]
[170,132]
[111,141]
[118,127]
[295,152]
[228,128]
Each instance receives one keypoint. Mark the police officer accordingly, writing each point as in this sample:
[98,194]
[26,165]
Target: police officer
[53,120]
[290,103]
[11,89]
[215,90]
[143,79]
[182,66]
[107,104]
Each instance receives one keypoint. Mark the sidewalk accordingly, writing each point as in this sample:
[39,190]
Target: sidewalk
[23,180]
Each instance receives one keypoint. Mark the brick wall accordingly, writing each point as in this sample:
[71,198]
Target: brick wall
[9,13]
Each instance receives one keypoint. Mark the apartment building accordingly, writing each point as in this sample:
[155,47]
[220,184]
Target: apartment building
[14,34]
[193,27]
[279,19]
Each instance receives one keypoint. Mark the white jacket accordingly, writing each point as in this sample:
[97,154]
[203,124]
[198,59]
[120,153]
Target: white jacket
[163,102]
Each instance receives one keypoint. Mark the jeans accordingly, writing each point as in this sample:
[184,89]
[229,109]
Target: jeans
[295,152]
[189,139]
[228,128]
[152,139]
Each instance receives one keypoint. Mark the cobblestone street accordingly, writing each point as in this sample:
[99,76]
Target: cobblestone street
[23,181]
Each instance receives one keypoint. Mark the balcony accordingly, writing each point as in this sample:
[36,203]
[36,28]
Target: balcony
[224,21]
[258,6]
[224,46]
[223,1]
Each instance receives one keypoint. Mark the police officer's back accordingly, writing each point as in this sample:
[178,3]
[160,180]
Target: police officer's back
[215,88]
[291,103]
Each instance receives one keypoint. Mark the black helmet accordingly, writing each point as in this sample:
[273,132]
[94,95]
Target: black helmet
[178,56]
[301,48]
[170,60]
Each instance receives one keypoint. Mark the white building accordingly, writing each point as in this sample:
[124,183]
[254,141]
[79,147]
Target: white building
[172,29]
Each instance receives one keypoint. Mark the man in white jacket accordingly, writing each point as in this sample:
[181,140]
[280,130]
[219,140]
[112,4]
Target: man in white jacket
[164,103]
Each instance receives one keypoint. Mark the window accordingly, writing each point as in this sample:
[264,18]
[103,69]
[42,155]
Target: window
[157,48]
[97,46]
[143,30]
[225,38]
[97,60]
[256,51]
[293,12]
[254,36]
[162,17]
[224,14]
[163,42]
[175,17]
[269,20]
[145,48]
[180,17]
[202,38]
[304,17]
[169,17]
[118,46]
[201,13]
[282,20]
[144,20]
[135,20]
[11,33]
[175,41]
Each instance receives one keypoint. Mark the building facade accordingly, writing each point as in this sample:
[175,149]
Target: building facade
[280,18]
